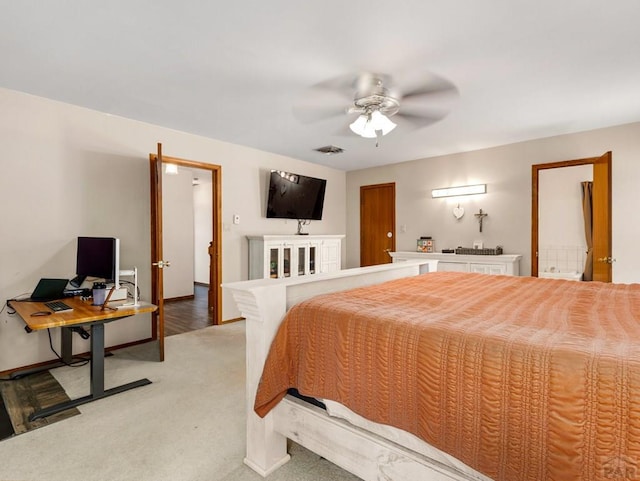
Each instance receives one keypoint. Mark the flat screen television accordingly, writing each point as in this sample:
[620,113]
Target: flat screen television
[97,257]
[294,196]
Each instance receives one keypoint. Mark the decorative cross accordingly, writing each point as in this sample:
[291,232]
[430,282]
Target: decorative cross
[480,215]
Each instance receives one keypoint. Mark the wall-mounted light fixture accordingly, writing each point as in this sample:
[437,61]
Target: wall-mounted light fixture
[462,190]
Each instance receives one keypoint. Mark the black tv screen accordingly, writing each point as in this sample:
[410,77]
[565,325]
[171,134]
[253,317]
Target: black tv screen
[294,196]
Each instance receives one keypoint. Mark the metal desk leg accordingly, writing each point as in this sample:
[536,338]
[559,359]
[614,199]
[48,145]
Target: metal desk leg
[67,344]
[97,378]
[97,360]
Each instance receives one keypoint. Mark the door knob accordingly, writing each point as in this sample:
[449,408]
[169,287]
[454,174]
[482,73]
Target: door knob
[606,260]
[161,264]
[389,234]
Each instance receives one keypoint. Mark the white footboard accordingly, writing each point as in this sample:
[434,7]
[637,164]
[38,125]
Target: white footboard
[264,303]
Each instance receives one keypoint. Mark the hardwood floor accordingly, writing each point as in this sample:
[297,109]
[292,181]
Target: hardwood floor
[187,315]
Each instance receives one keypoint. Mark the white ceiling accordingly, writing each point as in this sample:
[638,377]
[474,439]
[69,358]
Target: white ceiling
[234,70]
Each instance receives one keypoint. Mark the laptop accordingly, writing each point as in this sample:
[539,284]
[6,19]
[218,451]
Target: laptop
[49,290]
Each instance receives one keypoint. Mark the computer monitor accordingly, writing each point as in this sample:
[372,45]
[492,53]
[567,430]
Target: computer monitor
[97,257]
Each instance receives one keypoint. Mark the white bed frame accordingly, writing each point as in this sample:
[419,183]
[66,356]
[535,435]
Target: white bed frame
[264,303]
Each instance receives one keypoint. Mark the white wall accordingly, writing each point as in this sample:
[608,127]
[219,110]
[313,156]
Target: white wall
[69,171]
[561,238]
[507,172]
[203,227]
[178,233]
[560,219]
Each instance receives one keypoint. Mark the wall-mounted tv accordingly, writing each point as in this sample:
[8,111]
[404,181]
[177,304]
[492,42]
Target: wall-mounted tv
[294,196]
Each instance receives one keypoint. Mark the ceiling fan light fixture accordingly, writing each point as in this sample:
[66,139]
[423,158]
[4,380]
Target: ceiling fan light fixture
[359,125]
[379,121]
[367,125]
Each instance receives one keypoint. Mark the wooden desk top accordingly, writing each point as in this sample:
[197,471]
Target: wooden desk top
[83,312]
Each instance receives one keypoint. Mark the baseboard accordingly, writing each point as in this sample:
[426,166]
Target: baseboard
[180,298]
[235,319]
[87,354]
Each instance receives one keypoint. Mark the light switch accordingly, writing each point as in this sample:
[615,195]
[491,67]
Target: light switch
[236,219]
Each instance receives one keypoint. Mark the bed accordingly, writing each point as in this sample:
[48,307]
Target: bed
[505,378]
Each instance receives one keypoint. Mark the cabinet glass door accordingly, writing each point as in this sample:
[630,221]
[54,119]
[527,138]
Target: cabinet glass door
[312,260]
[273,263]
[286,262]
[302,259]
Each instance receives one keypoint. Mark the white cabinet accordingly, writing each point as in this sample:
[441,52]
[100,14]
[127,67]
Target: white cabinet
[488,268]
[330,255]
[506,264]
[277,256]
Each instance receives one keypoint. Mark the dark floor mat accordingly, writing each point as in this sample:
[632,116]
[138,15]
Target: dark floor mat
[22,397]
[6,428]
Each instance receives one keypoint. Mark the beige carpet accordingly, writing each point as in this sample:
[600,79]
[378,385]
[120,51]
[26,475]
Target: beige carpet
[187,425]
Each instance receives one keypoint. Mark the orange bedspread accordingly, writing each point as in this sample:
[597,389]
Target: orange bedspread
[520,378]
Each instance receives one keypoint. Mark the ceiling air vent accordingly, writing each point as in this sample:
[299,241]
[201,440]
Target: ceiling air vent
[330,150]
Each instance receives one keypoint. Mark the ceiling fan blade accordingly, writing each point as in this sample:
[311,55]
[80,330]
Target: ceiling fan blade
[325,100]
[315,106]
[335,96]
[427,84]
[309,115]
[431,91]
[343,83]
[432,101]
[423,98]
[418,120]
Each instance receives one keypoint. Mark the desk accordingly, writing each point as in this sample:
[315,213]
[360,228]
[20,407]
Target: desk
[83,314]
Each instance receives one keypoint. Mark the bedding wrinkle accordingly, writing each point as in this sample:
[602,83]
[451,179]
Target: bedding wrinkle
[341,358]
[522,379]
[473,402]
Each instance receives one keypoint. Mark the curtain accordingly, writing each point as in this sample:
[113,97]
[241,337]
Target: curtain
[587,213]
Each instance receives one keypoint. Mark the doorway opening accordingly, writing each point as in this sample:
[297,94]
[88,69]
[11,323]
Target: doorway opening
[187,233]
[213,254]
[188,314]
[597,219]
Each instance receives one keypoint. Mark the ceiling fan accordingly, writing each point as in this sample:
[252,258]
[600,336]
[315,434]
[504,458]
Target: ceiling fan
[374,98]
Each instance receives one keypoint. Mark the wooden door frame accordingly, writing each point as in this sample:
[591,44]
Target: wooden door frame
[157,280]
[535,172]
[215,250]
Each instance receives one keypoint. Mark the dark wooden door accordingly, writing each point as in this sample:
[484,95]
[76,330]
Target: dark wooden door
[377,223]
